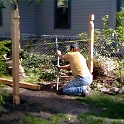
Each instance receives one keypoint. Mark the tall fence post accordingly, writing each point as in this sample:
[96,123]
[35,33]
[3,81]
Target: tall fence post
[15,54]
[91,42]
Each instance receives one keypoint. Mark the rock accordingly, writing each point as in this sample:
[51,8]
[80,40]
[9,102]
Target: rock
[99,85]
[103,90]
[120,80]
[114,89]
[9,66]
[3,110]
[121,90]
[111,91]
[121,50]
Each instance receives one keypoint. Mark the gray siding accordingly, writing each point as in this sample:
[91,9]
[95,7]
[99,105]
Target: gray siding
[40,19]
[5,29]
[45,17]
[122,3]
[80,11]
[27,17]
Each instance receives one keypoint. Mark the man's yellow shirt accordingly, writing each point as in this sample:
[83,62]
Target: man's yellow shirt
[78,64]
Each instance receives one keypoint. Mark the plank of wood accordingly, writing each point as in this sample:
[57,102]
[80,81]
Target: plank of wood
[6,81]
[21,84]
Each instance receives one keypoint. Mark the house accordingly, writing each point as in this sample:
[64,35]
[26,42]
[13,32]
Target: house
[59,17]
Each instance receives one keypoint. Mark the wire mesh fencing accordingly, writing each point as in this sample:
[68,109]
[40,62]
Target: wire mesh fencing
[46,44]
[45,47]
[40,51]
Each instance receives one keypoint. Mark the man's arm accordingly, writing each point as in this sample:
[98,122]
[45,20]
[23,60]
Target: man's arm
[64,67]
[58,53]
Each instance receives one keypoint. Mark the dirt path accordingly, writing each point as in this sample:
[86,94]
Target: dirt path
[42,104]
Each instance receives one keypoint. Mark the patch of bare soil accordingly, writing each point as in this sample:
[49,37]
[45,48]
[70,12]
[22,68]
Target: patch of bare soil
[45,103]
[42,104]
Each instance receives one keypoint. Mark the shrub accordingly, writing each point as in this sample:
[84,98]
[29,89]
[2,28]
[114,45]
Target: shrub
[107,44]
[40,65]
[5,48]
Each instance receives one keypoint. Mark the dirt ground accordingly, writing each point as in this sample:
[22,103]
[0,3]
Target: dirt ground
[42,104]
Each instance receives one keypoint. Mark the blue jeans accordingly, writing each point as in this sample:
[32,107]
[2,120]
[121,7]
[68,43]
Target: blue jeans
[77,85]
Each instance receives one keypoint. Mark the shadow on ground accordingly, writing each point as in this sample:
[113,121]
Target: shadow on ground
[42,104]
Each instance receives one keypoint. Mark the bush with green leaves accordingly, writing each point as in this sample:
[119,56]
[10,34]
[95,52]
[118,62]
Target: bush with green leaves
[108,40]
[40,65]
[120,26]
[5,48]
[1,95]
[48,75]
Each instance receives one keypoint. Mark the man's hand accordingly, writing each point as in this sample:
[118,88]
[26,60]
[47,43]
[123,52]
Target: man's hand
[58,53]
[58,67]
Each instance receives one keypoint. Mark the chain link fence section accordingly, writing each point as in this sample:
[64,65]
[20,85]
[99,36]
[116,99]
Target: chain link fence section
[113,49]
[43,48]
[110,52]
[46,44]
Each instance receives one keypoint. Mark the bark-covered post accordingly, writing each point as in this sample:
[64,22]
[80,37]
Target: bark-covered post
[91,42]
[15,53]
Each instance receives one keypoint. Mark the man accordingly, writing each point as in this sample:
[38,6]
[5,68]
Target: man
[82,76]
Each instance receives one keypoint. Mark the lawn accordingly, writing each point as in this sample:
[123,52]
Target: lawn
[104,109]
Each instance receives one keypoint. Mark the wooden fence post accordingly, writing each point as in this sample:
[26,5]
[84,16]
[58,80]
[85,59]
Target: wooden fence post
[91,42]
[15,54]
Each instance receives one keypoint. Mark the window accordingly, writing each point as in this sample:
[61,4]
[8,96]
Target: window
[1,17]
[62,14]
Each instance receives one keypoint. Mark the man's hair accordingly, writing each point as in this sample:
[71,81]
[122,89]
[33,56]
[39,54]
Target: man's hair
[74,46]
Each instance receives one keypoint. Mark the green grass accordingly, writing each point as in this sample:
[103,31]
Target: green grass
[104,109]
[32,79]
[56,119]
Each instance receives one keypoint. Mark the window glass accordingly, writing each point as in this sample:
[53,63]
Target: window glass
[1,17]
[62,14]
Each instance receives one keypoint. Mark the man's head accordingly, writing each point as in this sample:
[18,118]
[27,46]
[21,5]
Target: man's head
[74,47]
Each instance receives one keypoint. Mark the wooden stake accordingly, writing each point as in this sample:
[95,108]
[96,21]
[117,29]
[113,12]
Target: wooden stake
[91,42]
[57,80]
[15,55]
